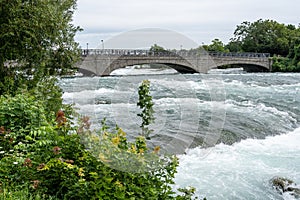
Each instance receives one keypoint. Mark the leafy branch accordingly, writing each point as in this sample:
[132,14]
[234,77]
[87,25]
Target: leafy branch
[146,104]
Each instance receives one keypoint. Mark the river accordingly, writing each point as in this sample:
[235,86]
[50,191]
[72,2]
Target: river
[247,122]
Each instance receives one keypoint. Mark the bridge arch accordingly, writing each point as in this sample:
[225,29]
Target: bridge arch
[86,72]
[248,67]
[181,66]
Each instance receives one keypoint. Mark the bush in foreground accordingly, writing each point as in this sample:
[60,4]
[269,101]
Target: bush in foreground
[44,157]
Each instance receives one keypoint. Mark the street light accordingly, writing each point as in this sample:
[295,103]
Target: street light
[87,48]
[102,44]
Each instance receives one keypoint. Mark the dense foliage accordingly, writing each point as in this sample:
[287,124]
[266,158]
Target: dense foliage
[156,48]
[291,63]
[216,45]
[51,158]
[268,36]
[265,36]
[36,40]
[43,155]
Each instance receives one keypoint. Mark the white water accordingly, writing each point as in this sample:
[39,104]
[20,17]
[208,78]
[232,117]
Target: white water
[134,70]
[242,170]
[256,105]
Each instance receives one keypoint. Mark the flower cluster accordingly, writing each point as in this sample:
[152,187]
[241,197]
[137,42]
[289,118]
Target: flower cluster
[56,150]
[27,162]
[60,118]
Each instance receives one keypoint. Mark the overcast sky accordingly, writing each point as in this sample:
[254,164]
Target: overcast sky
[198,20]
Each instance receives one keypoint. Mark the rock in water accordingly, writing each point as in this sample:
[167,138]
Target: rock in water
[284,185]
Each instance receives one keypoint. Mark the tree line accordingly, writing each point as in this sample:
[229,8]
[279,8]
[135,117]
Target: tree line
[265,36]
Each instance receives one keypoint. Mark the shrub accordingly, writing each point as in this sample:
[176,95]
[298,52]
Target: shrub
[51,158]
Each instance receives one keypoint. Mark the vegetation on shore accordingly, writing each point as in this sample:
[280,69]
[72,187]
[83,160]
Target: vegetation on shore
[36,40]
[43,155]
[265,36]
[50,157]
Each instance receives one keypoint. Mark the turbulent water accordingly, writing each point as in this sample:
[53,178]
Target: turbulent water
[248,124]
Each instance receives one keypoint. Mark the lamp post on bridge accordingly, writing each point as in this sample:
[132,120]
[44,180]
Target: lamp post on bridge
[87,48]
[102,44]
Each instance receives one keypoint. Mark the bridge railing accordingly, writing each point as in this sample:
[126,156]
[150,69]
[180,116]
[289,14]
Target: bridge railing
[239,54]
[142,52]
[127,52]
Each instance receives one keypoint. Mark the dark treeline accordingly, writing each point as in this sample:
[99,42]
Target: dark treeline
[265,36]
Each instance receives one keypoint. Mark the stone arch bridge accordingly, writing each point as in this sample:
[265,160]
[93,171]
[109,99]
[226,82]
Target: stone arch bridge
[102,62]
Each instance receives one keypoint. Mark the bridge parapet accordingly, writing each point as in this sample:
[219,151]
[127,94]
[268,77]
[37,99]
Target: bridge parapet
[174,53]
[239,54]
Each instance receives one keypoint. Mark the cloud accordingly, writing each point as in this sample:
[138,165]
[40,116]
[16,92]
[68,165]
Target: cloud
[145,38]
[203,20]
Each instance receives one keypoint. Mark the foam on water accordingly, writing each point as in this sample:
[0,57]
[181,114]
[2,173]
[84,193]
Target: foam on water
[243,170]
[87,93]
[256,105]
[138,70]
[259,108]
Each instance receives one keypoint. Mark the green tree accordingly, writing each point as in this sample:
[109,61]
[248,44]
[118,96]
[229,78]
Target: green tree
[296,55]
[157,48]
[36,40]
[216,45]
[264,36]
[234,46]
